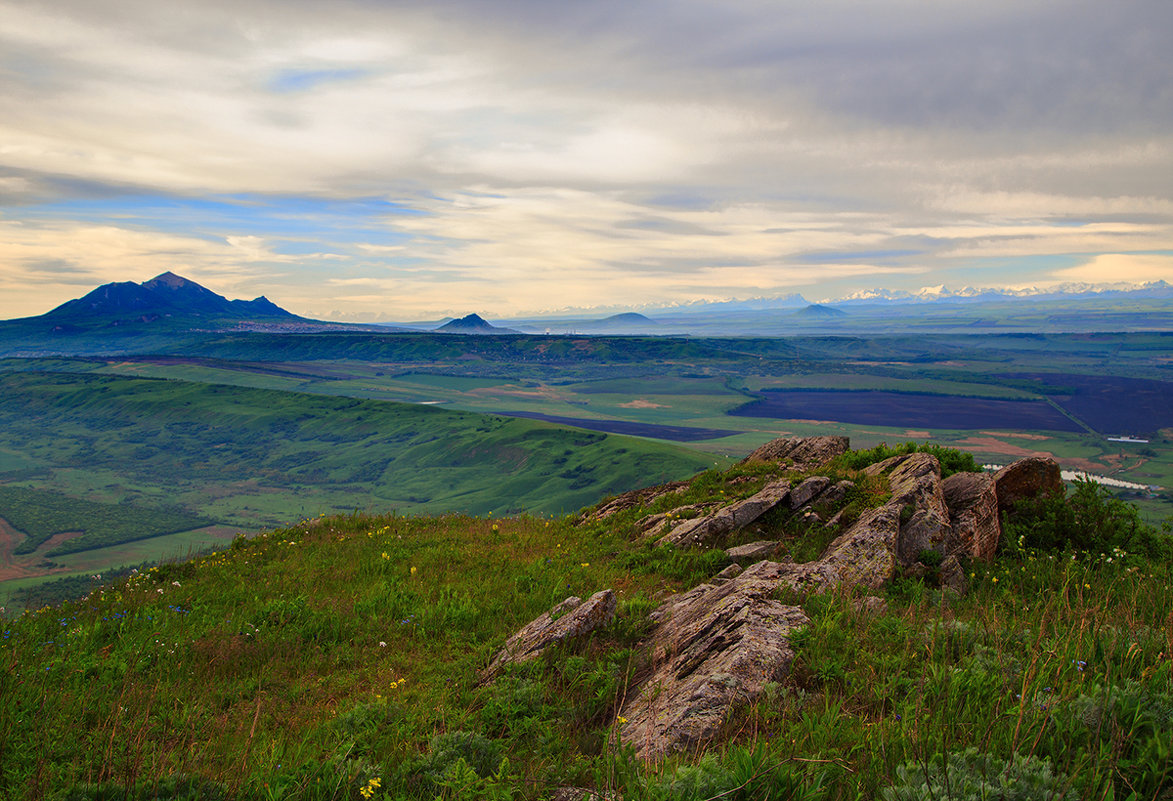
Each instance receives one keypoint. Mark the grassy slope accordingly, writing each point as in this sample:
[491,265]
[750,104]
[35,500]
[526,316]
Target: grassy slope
[253,458]
[306,662]
[283,454]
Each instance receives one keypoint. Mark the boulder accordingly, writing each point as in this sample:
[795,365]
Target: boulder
[751,552]
[808,491]
[713,650]
[915,480]
[708,529]
[800,453]
[836,493]
[951,575]
[1027,478]
[865,554]
[566,621]
[973,514]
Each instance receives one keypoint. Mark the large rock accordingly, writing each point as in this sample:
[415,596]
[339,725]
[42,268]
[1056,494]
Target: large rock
[865,554]
[915,480]
[1027,478]
[570,619]
[713,650]
[800,453]
[973,513]
[710,528]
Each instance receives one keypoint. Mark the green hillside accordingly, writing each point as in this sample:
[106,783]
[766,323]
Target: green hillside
[260,457]
[339,659]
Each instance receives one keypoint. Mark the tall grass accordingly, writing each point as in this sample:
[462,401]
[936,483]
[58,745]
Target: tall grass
[339,660]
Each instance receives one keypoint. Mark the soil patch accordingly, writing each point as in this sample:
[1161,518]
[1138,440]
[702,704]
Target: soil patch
[991,445]
[1014,434]
[640,403]
[14,566]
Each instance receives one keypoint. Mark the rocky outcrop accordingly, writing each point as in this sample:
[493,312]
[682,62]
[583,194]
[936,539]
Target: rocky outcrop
[714,648]
[568,620]
[711,528]
[1027,478]
[635,498]
[973,514]
[800,453]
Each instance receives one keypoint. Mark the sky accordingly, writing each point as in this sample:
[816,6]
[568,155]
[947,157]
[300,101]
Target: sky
[379,160]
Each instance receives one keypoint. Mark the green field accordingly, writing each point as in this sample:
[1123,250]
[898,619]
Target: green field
[257,430]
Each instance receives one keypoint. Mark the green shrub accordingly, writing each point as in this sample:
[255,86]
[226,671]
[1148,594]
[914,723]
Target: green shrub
[974,776]
[1088,518]
[478,752]
[952,460]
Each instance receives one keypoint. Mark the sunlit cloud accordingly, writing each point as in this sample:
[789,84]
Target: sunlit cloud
[1112,268]
[517,156]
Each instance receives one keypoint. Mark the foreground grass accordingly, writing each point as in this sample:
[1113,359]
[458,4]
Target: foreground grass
[339,659]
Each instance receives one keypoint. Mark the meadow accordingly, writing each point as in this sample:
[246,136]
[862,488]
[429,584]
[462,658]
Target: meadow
[339,659]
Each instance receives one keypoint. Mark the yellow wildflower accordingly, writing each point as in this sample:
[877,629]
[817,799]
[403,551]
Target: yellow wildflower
[413,570]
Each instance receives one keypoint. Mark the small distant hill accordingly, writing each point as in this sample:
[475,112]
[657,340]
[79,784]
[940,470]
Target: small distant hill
[624,322]
[817,311]
[473,324]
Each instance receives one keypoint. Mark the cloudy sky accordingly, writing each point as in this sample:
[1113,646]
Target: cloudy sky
[396,160]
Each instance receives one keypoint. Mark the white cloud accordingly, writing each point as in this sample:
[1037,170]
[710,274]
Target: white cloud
[1111,268]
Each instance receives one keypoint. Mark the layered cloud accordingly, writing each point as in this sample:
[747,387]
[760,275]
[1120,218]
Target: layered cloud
[516,156]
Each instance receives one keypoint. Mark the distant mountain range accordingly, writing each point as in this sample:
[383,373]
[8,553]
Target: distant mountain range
[1070,291]
[166,295]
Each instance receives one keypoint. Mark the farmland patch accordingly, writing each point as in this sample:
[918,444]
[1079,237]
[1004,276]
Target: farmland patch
[1111,404]
[906,409]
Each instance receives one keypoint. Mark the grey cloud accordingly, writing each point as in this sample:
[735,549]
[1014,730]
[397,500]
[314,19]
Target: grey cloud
[665,225]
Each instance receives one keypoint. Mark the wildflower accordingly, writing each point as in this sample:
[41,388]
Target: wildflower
[385,556]
[585,564]
[494,528]
[620,720]
[995,579]
[175,584]
[382,644]
[1087,586]
[413,570]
